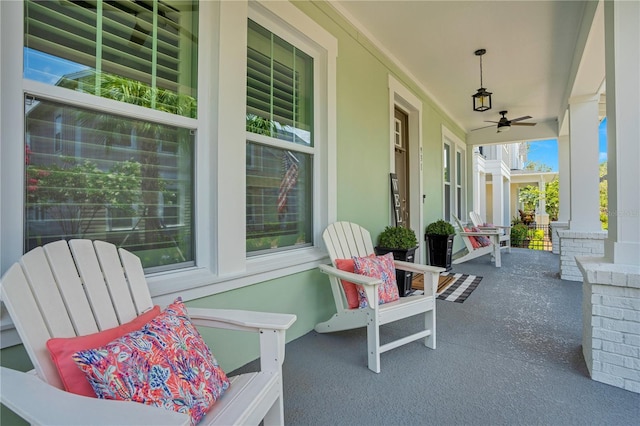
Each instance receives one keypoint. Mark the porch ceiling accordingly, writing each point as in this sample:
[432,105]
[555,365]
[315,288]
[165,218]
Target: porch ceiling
[539,54]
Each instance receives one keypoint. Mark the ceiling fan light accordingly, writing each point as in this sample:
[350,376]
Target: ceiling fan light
[481,100]
[504,128]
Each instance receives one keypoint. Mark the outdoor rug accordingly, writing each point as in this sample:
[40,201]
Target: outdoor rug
[460,288]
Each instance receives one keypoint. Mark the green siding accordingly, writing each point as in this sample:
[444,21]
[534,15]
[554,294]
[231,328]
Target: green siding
[363,187]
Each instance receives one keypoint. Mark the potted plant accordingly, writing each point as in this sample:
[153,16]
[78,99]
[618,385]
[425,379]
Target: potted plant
[439,237]
[402,242]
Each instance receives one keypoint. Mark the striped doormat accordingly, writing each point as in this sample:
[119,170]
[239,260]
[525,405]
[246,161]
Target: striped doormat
[460,287]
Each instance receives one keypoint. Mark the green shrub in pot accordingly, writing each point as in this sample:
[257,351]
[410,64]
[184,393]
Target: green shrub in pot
[397,237]
[439,237]
[402,242]
[440,227]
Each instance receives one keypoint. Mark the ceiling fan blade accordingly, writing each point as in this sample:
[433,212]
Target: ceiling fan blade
[526,117]
[485,127]
[522,124]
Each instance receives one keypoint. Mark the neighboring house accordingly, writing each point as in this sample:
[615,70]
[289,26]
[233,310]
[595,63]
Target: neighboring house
[498,175]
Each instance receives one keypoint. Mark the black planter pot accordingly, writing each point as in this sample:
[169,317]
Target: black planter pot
[440,250]
[403,278]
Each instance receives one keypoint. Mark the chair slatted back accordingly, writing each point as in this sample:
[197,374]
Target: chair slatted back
[475,218]
[466,239]
[346,239]
[71,289]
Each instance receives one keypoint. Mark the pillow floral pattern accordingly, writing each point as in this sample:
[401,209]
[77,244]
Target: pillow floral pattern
[474,241]
[166,364]
[378,267]
[484,241]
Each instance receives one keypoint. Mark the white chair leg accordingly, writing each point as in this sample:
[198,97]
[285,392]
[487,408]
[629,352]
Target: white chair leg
[373,343]
[430,324]
[275,415]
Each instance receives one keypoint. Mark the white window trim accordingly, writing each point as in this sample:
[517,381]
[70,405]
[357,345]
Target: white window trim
[456,145]
[221,260]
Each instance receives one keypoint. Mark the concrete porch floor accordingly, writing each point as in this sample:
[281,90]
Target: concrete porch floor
[510,354]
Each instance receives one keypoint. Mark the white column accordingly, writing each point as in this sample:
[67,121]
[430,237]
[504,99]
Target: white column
[477,188]
[622,53]
[506,220]
[483,199]
[542,202]
[498,198]
[585,199]
[611,283]
[564,186]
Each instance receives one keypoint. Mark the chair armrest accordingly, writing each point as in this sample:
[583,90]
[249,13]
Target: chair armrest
[479,234]
[417,267]
[236,319]
[271,328]
[493,227]
[349,276]
[39,403]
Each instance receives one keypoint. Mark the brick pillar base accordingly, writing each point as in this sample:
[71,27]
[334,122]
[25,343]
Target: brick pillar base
[611,322]
[578,243]
[555,238]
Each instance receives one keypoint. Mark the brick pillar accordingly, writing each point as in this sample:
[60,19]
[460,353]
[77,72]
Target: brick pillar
[611,285]
[611,322]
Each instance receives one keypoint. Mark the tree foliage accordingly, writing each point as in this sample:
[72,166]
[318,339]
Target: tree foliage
[604,196]
[530,195]
[74,194]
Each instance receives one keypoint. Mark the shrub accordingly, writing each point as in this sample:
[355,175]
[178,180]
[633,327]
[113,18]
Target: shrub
[440,227]
[397,237]
[536,239]
[518,234]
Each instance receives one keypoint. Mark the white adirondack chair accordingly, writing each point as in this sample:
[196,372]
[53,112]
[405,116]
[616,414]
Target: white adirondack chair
[505,231]
[492,249]
[66,290]
[344,240]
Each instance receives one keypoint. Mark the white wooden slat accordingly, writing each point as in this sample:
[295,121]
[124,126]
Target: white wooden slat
[137,281]
[94,283]
[18,299]
[116,281]
[66,275]
[46,293]
[329,236]
[345,239]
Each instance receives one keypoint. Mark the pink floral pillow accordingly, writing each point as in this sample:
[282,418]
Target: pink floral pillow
[484,241]
[62,349]
[350,290]
[474,241]
[378,267]
[165,364]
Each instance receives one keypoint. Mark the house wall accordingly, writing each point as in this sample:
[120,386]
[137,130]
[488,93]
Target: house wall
[363,185]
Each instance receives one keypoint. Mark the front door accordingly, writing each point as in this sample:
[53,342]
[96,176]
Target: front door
[401,141]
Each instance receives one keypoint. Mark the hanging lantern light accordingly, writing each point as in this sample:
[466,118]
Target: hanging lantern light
[481,99]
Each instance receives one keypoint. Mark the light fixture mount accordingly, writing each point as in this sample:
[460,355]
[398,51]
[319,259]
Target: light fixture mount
[482,98]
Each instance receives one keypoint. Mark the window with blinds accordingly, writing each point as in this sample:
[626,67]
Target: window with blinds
[132,194]
[279,180]
[93,174]
[279,87]
[148,46]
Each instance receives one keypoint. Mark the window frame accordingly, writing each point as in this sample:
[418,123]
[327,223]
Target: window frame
[457,177]
[221,262]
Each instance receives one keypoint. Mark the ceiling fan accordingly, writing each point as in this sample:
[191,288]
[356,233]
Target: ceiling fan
[505,124]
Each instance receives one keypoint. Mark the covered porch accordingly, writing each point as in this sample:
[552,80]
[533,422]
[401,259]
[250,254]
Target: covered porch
[510,354]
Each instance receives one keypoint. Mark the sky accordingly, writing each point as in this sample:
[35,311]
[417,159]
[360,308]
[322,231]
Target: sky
[546,151]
